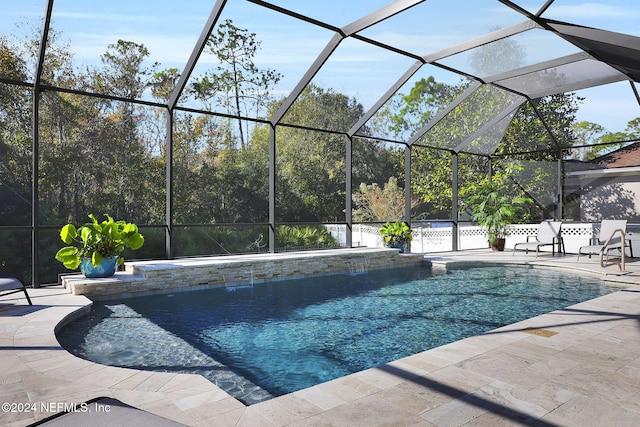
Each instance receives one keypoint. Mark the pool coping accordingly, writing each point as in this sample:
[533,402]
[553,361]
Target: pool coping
[428,387]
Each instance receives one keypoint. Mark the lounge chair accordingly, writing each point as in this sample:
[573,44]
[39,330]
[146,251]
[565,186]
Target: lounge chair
[607,228]
[548,235]
[13,285]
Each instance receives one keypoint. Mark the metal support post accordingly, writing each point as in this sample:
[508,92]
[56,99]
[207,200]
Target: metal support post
[454,201]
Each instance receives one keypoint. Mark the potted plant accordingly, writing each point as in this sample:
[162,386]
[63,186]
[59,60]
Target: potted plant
[396,235]
[495,211]
[98,245]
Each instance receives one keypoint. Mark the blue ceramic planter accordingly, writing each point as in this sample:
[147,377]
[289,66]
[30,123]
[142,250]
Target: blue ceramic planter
[402,246]
[107,267]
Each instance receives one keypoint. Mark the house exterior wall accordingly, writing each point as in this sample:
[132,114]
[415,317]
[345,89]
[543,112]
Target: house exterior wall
[612,197]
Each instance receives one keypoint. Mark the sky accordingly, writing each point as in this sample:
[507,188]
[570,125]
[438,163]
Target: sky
[170,28]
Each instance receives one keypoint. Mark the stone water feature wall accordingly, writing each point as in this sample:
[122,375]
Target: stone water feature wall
[163,276]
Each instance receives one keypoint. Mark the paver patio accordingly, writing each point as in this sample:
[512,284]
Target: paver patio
[574,367]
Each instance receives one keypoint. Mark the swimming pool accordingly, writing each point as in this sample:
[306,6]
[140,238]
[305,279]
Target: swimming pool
[274,338]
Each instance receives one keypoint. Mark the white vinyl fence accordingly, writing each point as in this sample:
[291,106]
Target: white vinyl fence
[429,238]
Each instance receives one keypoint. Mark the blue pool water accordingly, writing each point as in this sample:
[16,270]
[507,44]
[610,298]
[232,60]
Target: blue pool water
[274,338]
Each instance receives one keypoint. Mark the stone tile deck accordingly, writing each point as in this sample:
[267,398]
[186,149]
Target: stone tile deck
[574,367]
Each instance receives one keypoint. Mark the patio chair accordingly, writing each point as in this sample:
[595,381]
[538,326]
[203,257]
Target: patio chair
[548,235]
[607,228]
[13,285]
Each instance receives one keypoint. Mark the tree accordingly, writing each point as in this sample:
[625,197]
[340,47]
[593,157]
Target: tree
[124,73]
[98,155]
[311,165]
[419,106]
[163,82]
[126,139]
[431,168]
[374,203]
[497,57]
[237,84]
[633,128]
[601,142]
[587,133]
[15,140]
[432,153]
